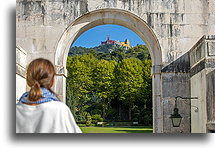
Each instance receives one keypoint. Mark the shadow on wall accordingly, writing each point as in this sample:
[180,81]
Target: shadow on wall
[182,64]
[176,82]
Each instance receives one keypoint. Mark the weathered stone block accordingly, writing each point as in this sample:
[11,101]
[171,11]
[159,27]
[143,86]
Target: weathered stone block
[192,30]
[46,55]
[36,32]
[53,33]
[25,43]
[195,6]
[177,18]
[195,18]
[175,84]
[211,48]
[20,31]
[32,8]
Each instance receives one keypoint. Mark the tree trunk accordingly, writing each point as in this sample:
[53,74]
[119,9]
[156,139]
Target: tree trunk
[129,111]
[104,106]
[104,111]
[120,111]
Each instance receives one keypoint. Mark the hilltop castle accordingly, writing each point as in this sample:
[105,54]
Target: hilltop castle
[126,43]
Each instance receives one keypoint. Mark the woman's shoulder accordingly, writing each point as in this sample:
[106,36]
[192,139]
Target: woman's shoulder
[54,105]
[56,108]
[47,106]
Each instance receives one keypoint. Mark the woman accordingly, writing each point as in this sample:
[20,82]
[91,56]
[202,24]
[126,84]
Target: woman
[39,110]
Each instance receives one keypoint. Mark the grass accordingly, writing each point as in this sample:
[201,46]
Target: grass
[137,129]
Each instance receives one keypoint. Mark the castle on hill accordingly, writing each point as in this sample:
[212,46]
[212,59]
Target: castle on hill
[126,43]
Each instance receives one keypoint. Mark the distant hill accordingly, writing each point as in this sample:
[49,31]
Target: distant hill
[112,52]
[107,48]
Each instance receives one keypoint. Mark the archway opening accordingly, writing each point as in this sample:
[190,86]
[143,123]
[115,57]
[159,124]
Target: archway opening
[125,19]
[109,80]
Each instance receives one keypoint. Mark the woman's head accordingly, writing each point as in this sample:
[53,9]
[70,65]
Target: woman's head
[40,73]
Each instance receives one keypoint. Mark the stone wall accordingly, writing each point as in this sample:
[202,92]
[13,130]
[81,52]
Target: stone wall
[21,56]
[178,24]
[176,82]
[202,57]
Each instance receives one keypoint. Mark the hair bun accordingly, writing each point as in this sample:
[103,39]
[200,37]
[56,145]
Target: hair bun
[35,93]
[36,84]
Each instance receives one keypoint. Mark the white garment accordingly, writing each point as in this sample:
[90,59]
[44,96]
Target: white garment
[49,117]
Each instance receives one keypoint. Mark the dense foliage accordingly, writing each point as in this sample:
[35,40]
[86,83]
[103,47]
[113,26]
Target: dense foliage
[110,83]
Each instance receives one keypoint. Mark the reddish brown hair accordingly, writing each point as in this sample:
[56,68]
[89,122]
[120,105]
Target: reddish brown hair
[40,73]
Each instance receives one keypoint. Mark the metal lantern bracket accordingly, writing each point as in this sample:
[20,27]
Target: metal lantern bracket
[176,117]
[196,108]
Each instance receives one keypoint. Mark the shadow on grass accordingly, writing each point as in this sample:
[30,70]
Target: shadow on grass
[148,127]
[135,131]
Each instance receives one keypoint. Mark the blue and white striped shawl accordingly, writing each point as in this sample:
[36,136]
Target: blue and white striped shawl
[47,96]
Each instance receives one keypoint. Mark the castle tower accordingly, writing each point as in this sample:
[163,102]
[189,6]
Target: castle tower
[127,42]
[108,38]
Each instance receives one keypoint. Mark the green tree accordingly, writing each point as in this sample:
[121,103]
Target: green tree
[103,82]
[129,81]
[143,110]
[71,100]
[80,78]
[141,52]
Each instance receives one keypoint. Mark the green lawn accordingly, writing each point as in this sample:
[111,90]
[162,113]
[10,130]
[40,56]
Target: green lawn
[146,129]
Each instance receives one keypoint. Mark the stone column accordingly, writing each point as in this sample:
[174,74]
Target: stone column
[157,103]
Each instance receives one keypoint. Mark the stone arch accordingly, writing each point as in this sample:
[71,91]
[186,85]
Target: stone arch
[108,16]
[118,17]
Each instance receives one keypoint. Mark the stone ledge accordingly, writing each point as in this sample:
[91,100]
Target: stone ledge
[20,71]
[203,49]
[206,63]
[21,57]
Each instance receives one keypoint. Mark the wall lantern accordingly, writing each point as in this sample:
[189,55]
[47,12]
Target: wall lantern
[176,117]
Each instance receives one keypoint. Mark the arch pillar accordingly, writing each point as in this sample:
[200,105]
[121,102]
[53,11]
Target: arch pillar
[157,99]
[60,82]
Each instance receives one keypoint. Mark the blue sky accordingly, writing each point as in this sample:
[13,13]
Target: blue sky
[94,36]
